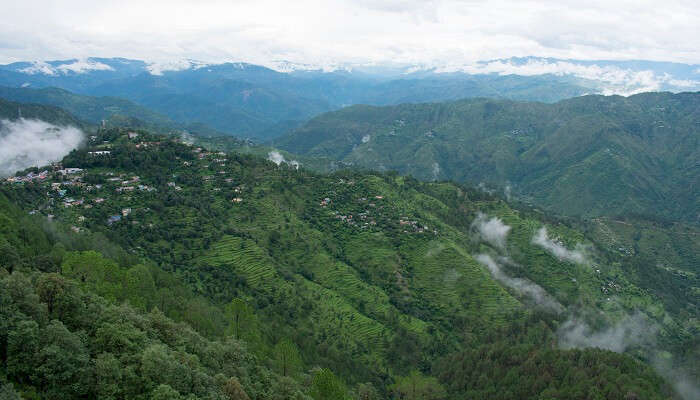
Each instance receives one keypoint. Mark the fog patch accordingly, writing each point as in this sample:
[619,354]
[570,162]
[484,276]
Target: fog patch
[557,249]
[277,158]
[436,171]
[187,138]
[522,286]
[28,143]
[507,191]
[680,379]
[492,231]
[634,330]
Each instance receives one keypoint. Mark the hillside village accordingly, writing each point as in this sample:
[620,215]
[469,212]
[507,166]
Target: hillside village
[108,195]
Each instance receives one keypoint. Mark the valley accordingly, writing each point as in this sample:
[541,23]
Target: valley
[382,279]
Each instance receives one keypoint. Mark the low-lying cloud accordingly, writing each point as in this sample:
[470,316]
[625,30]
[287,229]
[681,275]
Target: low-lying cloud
[25,143]
[557,248]
[277,158]
[73,66]
[492,231]
[610,78]
[520,285]
[633,330]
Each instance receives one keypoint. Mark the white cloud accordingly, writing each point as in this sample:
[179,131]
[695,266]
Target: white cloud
[76,67]
[493,230]
[613,79]
[81,66]
[157,68]
[277,158]
[630,331]
[30,143]
[520,285]
[557,249]
[335,31]
[39,67]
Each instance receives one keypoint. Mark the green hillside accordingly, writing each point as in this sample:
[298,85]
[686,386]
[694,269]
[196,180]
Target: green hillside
[586,156]
[12,110]
[376,277]
[114,111]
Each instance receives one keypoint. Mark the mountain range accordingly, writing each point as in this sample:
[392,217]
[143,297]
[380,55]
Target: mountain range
[254,101]
[492,231]
[586,156]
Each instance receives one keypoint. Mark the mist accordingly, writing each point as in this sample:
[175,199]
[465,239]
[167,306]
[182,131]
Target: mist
[520,285]
[492,231]
[633,330]
[28,143]
[277,158]
[557,249]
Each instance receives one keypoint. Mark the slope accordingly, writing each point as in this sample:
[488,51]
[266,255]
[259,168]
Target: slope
[587,156]
[372,275]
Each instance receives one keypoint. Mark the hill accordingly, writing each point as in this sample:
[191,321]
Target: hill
[392,283]
[247,100]
[11,110]
[586,156]
[112,110]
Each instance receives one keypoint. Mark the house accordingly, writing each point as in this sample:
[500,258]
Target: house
[126,211]
[237,200]
[113,219]
[133,135]
[69,171]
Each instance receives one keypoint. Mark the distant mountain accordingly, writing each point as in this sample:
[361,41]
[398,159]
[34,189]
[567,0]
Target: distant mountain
[254,101]
[114,111]
[88,108]
[11,110]
[588,156]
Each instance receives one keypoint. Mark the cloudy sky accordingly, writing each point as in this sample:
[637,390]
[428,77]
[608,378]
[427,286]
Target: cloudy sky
[322,31]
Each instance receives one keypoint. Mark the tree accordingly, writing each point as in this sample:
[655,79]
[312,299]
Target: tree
[233,390]
[165,392]
[139,287]
[241,317]
[367,391]
[8,255]
[63,369]
[287,357]
[108,375]
[326,386]
[22,347]
[7,392]
[415,386]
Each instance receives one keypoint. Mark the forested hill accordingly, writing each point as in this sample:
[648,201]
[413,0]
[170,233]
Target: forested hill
[11,110]
[587,156]
[112,111]
[297,285]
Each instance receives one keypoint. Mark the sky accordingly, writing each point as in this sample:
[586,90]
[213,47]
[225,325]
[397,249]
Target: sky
[429,32]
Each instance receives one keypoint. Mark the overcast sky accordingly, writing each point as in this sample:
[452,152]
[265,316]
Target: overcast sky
[311,31]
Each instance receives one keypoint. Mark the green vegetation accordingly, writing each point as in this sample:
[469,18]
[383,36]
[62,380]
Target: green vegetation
[12,110]
[587,156]
[184,272]
[114,111]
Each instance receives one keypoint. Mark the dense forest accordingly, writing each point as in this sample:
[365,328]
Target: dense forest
[145,267]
